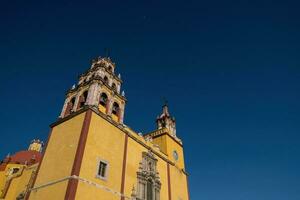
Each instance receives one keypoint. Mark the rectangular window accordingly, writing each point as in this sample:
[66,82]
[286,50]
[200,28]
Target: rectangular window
[102,169]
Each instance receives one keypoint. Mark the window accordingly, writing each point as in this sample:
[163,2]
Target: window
[82,99]
[115,108]
[102,169]
[103,99]
[105,80]
[15,170]
[114,87]
[70,106]
[110,68]
[175,155]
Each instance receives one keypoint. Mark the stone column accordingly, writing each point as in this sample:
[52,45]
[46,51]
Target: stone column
[64,108]
[97,96]
[110,81]
[121,113]
[92,95]
[76,102]
[109,105]
[118,88]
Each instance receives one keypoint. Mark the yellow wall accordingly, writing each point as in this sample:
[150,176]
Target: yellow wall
[106,142]
[19,181]
[2,181]
[58,159]
[5,176]
[162,143]
[178,181]
[134,156]
[171,146]
[102,108]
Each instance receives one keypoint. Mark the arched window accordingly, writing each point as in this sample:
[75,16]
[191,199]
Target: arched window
[114,87]
[115,108]
[73,100]
[149,189]
[70,106]
[82,99]
[110,68]
[103,99]
[105,80]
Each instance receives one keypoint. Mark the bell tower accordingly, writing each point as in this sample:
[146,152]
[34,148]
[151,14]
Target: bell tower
[166,139]
[100,87]
[166,121]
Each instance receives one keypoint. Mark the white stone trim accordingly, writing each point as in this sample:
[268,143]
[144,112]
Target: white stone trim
[83,180]
[121,114]
[92,93]
[76,102]
[105,177]
[64,108]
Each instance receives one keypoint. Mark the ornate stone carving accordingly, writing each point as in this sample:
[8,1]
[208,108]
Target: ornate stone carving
[148,181]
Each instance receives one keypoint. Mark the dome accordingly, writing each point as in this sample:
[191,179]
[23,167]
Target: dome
[28,157]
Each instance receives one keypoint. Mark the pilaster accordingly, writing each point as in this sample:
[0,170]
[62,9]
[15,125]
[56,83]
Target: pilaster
[64,108]
[92,95]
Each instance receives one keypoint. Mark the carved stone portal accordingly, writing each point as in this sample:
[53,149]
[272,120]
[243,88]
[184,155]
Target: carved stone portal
[148,182]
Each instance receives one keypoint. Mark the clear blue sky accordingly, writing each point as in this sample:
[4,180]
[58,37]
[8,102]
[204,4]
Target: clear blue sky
[230,70]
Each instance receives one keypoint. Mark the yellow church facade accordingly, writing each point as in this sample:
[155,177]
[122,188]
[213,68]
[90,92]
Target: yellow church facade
[92,154]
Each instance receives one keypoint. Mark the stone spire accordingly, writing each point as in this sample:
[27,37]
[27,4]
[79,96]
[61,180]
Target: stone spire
[165,120]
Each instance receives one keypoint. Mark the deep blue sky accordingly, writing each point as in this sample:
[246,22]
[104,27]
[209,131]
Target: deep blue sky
[230,70]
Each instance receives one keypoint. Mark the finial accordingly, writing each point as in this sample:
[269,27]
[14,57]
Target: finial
[123,93]
[73,86]
[119,76]
[165,107]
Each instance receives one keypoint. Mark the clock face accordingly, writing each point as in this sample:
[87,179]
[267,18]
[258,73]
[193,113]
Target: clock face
[175,155]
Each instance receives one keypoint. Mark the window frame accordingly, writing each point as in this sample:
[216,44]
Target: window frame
[106,101]
[105,177]
[117,111]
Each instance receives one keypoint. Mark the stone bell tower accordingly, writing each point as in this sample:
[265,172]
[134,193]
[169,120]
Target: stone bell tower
[166,121]
[99,86]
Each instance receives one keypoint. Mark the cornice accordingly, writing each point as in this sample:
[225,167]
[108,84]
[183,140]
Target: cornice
[161,132]
[96,79]
[98,67]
